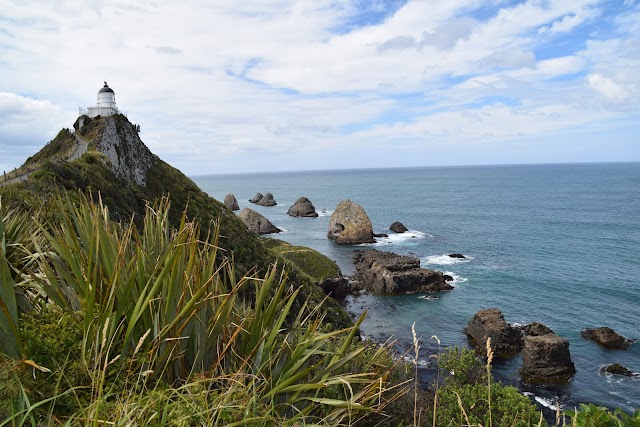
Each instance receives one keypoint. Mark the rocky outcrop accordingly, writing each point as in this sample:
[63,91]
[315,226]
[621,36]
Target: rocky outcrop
[398,227]
[349,224]
[303,208]
[389,273]
[337,287]
[505,339]
[257,223]
[129,158]
[546,358]
[256,198]
[607,338]
[458,256]
[536,329]
[231,202]
[617,369]
[267,200]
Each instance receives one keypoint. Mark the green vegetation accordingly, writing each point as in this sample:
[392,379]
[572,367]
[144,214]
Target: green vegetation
[307,262]
[129,305]
[596,416]
[59,147]
[135,322]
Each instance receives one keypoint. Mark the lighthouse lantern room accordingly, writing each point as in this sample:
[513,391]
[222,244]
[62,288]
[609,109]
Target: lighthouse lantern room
[106,103]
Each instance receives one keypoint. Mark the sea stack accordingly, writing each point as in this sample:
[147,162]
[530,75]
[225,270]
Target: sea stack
[546,358]
[607,338]
[303,208]
[505,339]
[267,200]
[256,198]
[231,202]
[257,223]
[349,224]
[398,227]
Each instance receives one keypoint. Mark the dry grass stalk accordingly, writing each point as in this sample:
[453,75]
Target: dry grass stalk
[489,360]
[416,348]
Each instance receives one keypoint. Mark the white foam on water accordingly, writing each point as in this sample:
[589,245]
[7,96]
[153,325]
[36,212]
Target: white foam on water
[428,297]
[282,230]
[324,212]
[457,279]
[421,362]
[445,260]
[547,403]
[399,238]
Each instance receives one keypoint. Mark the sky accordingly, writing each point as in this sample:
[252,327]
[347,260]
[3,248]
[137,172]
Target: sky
[231,86]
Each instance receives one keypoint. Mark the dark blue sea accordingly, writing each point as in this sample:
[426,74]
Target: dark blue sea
[557,244]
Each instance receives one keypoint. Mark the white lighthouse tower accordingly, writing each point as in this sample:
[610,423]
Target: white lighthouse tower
[106,103]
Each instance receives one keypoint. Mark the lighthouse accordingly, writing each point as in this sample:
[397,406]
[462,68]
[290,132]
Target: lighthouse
[106,103]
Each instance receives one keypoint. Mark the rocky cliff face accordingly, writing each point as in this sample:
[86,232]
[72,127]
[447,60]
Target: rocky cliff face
[130,159]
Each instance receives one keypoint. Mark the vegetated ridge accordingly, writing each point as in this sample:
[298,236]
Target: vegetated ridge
[121,170]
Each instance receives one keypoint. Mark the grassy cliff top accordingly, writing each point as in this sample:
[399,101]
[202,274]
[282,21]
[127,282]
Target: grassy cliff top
[93,175]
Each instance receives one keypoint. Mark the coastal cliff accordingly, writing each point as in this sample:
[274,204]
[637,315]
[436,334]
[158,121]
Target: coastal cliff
[119,169]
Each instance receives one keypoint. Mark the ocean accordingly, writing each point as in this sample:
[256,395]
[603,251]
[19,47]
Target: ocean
[558,244]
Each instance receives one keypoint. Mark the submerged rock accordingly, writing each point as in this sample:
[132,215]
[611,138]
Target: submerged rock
[303,208]
[607,338]
[458,256]
[267,200]
[349,224]
[231,202]
[389,273]
[546,358]
[256,198]
[398,227]
[505,339]
[257,223]
[617,369]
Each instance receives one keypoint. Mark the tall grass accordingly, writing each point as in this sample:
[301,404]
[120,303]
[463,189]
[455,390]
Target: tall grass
[161,316]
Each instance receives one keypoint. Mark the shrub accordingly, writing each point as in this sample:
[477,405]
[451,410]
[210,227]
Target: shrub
[462,366]
[597,416]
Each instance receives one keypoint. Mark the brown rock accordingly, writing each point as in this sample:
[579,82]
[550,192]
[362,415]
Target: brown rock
[349,224]
[617,369]
[536,329]
[267,200]
[505,339]
[303,208]
[389,273]
[257,223]
[398,227]
[231,202]
[546,358]
[337,287]
[256,198]
[607,338]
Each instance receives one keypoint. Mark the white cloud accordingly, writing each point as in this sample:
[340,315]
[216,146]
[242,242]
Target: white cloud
[608,88]
[25,125]
[264,78]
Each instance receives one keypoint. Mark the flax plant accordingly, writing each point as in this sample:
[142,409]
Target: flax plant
[10,342]
[16,239]
[161,305]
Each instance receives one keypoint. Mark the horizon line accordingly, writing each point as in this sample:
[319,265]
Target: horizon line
[420,167]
